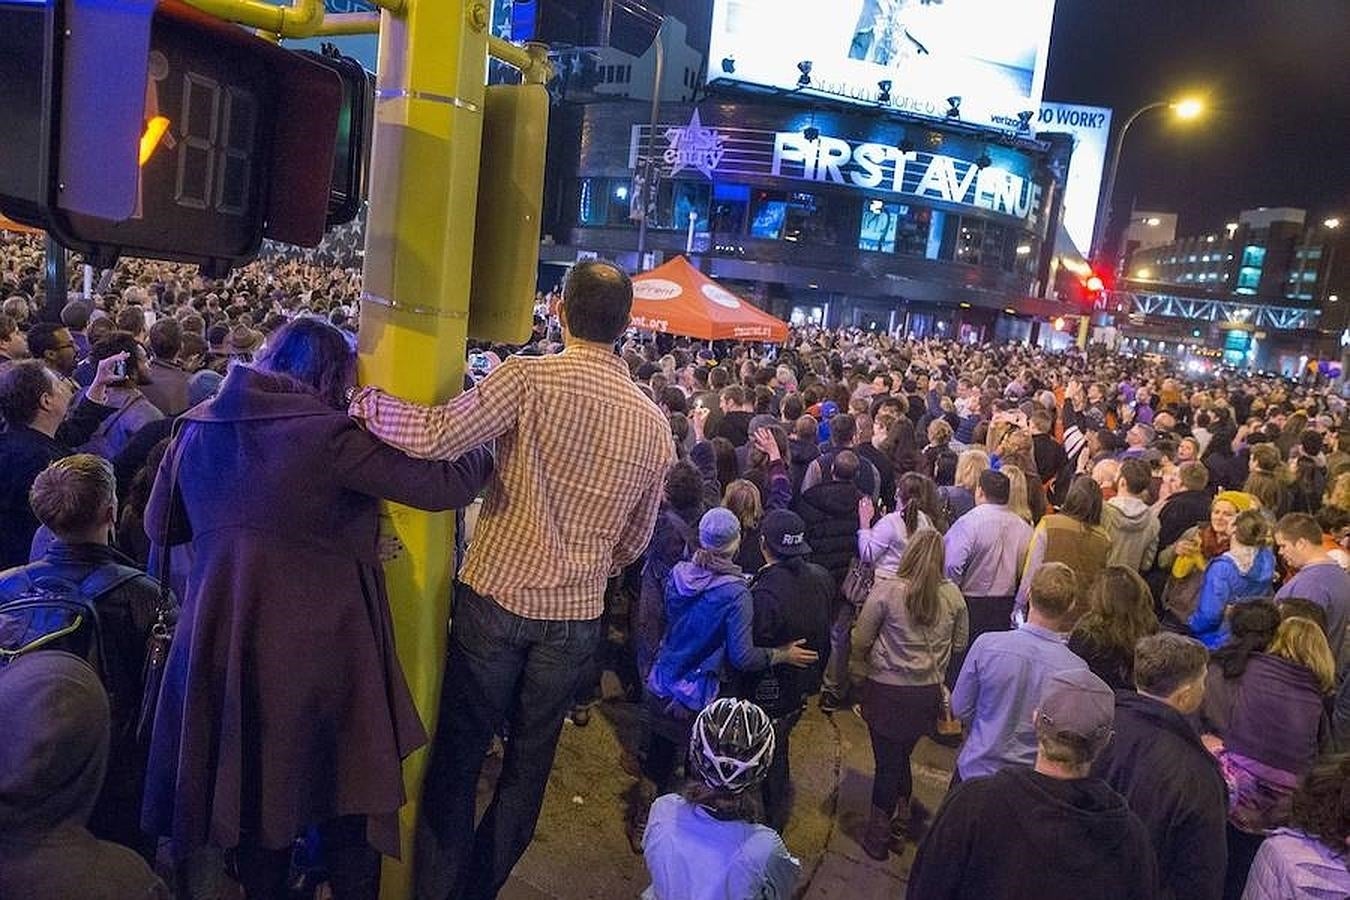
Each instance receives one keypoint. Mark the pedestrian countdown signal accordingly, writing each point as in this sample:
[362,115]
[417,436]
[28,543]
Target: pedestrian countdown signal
[152,129]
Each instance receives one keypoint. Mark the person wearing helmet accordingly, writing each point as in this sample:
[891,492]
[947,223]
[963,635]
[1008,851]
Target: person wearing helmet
[706,842]
[708,638]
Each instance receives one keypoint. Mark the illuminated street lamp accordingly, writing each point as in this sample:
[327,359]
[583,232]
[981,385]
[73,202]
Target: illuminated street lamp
[1189,108]
[1186,109]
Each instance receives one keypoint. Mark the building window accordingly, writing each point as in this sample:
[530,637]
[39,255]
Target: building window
[799,220]
[604,201]
[894,227]
[768,211]
[675,200]
[730,202]
[1254,256]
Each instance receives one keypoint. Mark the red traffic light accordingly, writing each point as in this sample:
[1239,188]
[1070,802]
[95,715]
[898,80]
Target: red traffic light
[1094,283]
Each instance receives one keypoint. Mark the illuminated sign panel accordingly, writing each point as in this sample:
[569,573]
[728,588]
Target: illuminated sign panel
[907,55]
[950,173]
[1091,128]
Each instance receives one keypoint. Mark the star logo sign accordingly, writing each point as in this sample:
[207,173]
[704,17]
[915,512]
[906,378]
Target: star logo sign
[694,147]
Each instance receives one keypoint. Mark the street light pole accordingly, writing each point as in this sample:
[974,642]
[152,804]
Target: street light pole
[649,169]
[1104,206]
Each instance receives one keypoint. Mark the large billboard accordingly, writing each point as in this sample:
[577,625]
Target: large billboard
[1090,127]
[907,55]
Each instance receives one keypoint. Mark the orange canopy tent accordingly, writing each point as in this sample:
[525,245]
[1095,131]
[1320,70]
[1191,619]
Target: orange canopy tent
[10,225]
[677,298]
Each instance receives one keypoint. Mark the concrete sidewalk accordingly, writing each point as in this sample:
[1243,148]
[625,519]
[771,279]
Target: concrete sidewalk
[580,849]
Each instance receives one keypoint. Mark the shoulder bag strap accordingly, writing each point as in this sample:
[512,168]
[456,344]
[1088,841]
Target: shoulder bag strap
[165,551]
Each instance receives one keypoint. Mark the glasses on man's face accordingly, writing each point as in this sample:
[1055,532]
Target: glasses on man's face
[64,347]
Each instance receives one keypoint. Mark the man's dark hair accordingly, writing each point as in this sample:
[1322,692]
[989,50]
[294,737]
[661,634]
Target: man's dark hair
[131,319]
[597,301]
[166,339]
[845,466]
[7,327]
[1194,476]
[1166,661]
[719,378]
[1311,442]
[684,486]
[843,428]
[792,408]
[22,387]
[42,337]
[75,315]
[733,394]
[99,328]
[1137,475]
[674,399]
[995,486]
[1300,527]
[763,399]
[115,343]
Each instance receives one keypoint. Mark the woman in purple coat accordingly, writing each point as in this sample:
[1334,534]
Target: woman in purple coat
[283,705]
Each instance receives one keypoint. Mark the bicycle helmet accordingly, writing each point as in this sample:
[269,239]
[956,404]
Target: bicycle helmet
[731,745]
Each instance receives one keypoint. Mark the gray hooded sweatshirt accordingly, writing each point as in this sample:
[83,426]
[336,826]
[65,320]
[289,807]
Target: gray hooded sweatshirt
[52,759]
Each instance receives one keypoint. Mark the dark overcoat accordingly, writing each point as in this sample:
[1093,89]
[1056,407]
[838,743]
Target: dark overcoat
[283,702]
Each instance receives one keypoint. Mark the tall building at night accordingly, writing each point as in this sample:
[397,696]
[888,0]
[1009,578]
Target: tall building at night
[807,163]
[1268,254]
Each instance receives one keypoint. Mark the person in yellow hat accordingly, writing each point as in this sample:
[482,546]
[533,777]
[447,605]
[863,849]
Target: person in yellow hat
[1185,560]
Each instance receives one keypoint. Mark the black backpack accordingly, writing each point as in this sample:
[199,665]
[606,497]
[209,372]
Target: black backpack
[49,612]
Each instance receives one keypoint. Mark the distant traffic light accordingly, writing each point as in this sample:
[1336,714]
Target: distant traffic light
[153,129]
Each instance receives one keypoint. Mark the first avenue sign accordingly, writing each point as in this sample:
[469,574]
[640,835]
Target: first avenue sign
[883,167]
[1004,187]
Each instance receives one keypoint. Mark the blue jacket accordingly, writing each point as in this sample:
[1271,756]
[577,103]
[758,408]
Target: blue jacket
[709,616]
[1225,583]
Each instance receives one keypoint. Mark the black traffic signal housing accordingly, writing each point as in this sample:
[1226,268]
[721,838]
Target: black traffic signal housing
[153,129]
[351,151]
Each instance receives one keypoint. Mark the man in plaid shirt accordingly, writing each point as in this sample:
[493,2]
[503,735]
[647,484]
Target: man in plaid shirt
[582,458]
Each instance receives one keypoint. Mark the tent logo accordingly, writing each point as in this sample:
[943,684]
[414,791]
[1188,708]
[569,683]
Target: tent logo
[721,296]
[694,147]
[656,289]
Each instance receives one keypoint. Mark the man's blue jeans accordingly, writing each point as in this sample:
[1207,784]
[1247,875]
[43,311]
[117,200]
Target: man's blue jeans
[502,669]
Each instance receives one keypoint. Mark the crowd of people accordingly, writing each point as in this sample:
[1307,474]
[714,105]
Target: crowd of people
[1123,593]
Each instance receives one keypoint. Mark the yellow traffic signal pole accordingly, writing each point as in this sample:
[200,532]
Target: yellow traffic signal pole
[415,301]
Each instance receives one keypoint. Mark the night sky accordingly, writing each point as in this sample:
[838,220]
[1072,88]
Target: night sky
[1277,75]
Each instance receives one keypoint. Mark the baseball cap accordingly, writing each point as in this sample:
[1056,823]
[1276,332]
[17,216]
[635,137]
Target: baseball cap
[1075,702]
[718,529]
[785,533]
